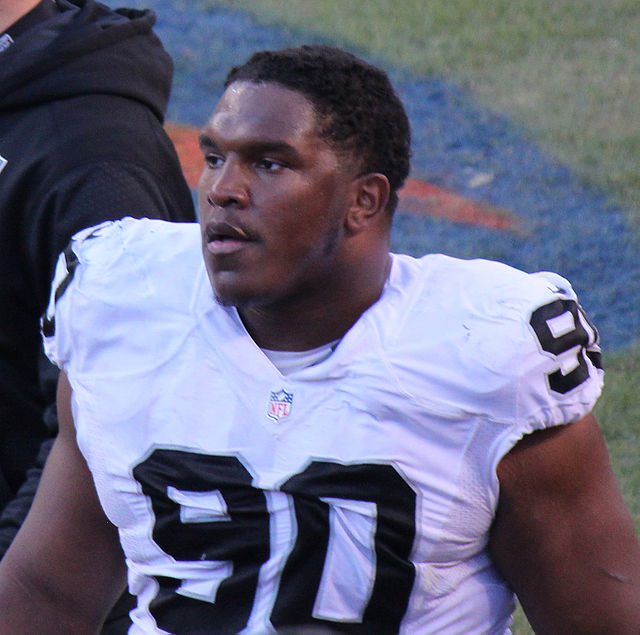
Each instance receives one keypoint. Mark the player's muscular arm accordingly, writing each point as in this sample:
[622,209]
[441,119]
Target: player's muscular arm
[65,568]
[562,536]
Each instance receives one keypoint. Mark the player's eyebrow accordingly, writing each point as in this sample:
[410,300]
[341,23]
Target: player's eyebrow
[205,142]
[278,150]
[256,147]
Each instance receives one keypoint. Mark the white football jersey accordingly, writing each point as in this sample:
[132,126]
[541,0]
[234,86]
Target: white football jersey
[355,494]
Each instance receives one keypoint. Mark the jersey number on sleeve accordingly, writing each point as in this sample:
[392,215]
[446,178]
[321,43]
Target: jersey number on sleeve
[232,551]
[559,329]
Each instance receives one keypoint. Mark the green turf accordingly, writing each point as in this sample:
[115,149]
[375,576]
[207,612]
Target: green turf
[568,71]
[618,412]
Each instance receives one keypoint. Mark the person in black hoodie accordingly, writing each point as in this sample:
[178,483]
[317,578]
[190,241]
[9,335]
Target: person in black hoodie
[83,92]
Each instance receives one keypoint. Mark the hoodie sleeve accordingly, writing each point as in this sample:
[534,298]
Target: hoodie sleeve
[90,195]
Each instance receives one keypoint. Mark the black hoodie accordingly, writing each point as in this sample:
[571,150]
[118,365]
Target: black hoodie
[83,93]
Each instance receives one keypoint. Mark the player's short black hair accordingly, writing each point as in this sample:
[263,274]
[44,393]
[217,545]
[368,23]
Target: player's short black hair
[356,104]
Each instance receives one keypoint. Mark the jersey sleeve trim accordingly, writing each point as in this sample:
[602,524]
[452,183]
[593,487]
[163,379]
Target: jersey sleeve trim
[69,261]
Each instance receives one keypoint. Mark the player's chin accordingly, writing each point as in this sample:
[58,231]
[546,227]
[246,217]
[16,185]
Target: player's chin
[233,290]
[231,286]
[229,296]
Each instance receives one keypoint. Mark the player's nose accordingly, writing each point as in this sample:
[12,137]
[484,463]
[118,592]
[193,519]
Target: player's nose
[228,185]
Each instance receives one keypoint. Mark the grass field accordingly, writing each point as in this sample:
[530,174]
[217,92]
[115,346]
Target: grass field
[565,71]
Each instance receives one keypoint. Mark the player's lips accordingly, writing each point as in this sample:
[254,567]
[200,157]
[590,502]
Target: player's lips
[224,238]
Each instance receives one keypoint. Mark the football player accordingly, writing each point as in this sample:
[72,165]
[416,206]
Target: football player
[302,432]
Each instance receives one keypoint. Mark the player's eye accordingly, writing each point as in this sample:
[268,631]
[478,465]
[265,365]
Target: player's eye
[269,165]
[213,160]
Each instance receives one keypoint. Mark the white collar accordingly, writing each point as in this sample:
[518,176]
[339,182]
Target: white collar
[289,361]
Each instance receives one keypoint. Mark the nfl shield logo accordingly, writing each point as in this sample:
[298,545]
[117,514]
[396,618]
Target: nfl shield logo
[280,405]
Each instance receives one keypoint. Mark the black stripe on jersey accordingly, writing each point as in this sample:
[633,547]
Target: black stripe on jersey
[71,261]
[595,357]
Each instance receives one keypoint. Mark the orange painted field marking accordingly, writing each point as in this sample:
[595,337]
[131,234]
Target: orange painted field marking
[185,140]
[418,197]
[423,198]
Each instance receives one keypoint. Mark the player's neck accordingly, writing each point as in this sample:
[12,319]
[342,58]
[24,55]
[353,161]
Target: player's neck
[303,324]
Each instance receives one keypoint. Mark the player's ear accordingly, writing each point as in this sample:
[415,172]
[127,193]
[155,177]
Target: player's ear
[370,198]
